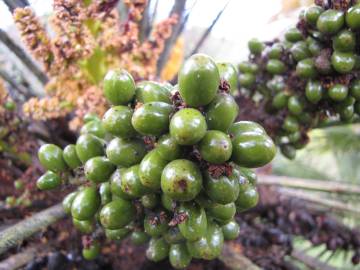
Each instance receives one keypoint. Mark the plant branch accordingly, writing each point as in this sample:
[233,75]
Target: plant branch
[17,233]
[309,261]
[23,56]
[234,260]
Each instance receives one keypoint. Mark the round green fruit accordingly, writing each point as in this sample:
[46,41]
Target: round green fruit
[314,91]
[139,238]
[246,128]
[291,124]
[151,168]
[91,252]
[295,106]
[195,223]
[158,250]
[131,183]
[179,256]
[117,121]
[343,62]
[167,148]
[117,214]
[48,181]
[51,157]
[70,156]
[288,151]
[105,193]
[156,223]
[174,236]
[93,127]
[147,91]
[306,68]
[293,35]
[85,204]
[89,146]
[353,17]
[117,235]
[247,80]
[312,14]
[280,100]
[150,201]
[84,226]
[355,89]
[221,212]
[344,41]
[67,202]
[228,73]
[300,51]
[275,66]
[256,46]
[231,230]
[215,147]
[338,92]
[330,21]
[247,199]
[115,184]
[98,169]
[119,87]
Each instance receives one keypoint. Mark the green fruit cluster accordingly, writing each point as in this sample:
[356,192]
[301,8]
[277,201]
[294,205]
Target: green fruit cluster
[165,165]
[309,76]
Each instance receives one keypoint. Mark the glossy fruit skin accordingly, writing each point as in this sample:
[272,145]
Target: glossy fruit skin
[199,80]
[314,46]
[275,66]
[221,212]
[275,51]
[51,157]
[181,180]
[215,147]
[139,238]
[67,202]
[156,224]
[91,117]
[151,168]
[167,148]
[93,127]
[255,46]
[294,137]
[98,169]
[84,226]
[353,17]
[209,246]
[224,189]
[117,235]
[88,146]
[253,150]
[247,79]
[291,124]
[355,89]
[150,201]
[48,181]
[125,152]
[195,224]
[167,202]
[85,204]
[119,87]
[280,100]
[288,151]
[306,69]
[92,251]
[342,62]
[228,73]
[293,35]
[179,256]
[188,126]
[347,113]
[221,112]
[147,91]
[105,193]
[314,91]
[330,21]
[248,67]
[344,41]
[312,14]
[247,199]
[338,92]
[117,214]
[158,249]
[174,236]
[70,157]
[152,118]
[295,106]
[117,121]
[231,230]
[300,51]
[115,185]
[249,174]
[131,184]
[246,128]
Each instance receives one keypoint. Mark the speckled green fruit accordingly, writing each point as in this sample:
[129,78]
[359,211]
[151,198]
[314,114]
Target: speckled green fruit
[275,66]
[342,62]
[115,185]
[117,235]
[355,89]
[119,87]
[338,92]
[306,69]
[199,80]
[156,223]
[152,118]
[150,201]
[330,21]
[248,67]
[231,230]
[181,180]
[280,100]
[314,91]
[91,252]
[256,46]
[67,202]
[288,151]
[228,73]
[174,236]
[221,212]
[51,157]
[247,199]
[188,126]
[291,124]
[151,168]
[84,226]
[147,91]
[295,105]
[167,148]
[48,181]
[312,14]
[139,238]
[246,128]
[221,112]
[94,127]
[98,169]
[353,17]
[195,224]
[293,34]
[125,152]
[344,41]
[117,121]
[131,184]
[88,146]
[223,189]
[167,202]
[247,79]
[252,150]
[300,51]
[208,247]
[179,256]
[85,204]
[70,157]
[105,193]
[215,147]
[158,249]
[117,214]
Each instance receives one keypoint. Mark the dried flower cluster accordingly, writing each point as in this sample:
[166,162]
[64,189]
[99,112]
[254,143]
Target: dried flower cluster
[89,40]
